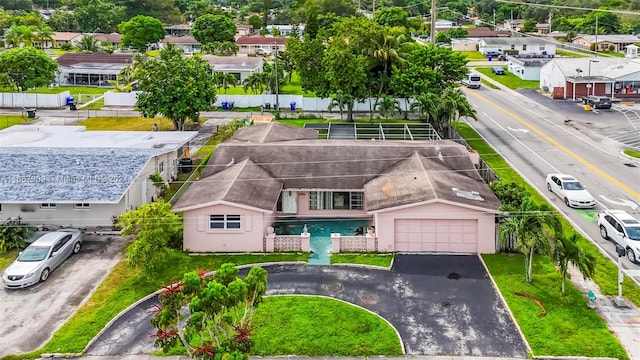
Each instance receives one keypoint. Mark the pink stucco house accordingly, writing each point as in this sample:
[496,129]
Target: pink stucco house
[421,196]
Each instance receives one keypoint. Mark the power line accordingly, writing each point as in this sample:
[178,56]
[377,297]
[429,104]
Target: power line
[624,12]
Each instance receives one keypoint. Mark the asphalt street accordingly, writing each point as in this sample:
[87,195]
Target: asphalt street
[440,305]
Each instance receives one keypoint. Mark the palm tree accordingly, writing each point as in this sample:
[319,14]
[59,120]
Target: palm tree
[45,34]
[567,251]
[21,34]
[388,106]
[385,52]
[212,47]
[257,82]
[454,105]
[530,224]
[428,106]
[229,48]
[340,100]
[88,44]
[224,80]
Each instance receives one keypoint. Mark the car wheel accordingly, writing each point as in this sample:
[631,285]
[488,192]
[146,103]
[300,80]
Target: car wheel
[44,275]
[76,248]
[603,232]
[549,187]
[566,201]
[631,255]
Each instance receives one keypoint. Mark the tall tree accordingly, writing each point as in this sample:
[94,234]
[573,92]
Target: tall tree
[388,106]
[210,28]
[26,68]
[224,80]
[220,307]
[88,44]
[141,31]
[189,90]
[164,10]
[567,251]
[530,224]
[21,35]
[256,22]
[62,20]
[453,106]
[392,17]
[157,234]
[98,15]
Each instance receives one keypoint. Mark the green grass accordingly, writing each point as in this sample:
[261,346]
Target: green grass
[570,328]
[474,55]
[571,53]
[311,326]
[126,123]
[606,272]
[124,286]
[293,87]
[383,259]
[509,80]
[10,120]
[632,153]
[487,83]
[7,258]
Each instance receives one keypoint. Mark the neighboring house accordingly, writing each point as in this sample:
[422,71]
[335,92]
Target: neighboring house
[465,44]
[605,42]
[93,69]
[67,176]
[241,66]
[285,30]
[187,43]
[244,30]
[519,45]
[113,39]
[72,38]
[527,67]
[485,32]
[444,24]
[259,44]
[178,30]
[574,78]
[543,28]
[420,195]
[513,25]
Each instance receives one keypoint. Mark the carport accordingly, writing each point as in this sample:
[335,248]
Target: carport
[374,131]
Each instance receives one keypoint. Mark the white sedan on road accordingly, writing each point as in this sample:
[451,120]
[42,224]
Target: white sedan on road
[570,190]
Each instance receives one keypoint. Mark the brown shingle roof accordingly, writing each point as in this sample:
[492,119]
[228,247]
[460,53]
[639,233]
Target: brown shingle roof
[260,40]
[64,36]
[112,38]
[180,40]
[484,32]
[69,59]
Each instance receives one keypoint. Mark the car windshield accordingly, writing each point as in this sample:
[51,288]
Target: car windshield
[634,233]
[34,253]
[572,185]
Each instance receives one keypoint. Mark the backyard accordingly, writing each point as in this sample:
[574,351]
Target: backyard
[10,120]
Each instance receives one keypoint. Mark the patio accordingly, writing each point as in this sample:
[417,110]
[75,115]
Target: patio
[374,131]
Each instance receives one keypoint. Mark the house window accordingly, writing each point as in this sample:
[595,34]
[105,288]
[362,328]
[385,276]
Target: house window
[161,167]
[541,47]
[224,222]
[524,47]
[48,206]
[336,200]
[81,206]
[513,47]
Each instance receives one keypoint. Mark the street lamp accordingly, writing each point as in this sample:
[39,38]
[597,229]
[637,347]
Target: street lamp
[589,84]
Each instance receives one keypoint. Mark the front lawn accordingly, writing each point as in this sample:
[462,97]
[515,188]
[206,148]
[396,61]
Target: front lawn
[7,258]
[547,284]
[509,80]
[126,123]
[382,259]
[10,120]
[124,286]
[569,328]
[574,54]
[474,55]
[313,326]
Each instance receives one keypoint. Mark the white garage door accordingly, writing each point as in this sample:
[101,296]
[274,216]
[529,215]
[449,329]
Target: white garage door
[436,235]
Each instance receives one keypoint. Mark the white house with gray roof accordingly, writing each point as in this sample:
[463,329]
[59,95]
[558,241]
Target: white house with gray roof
[67,176]
[241,66]
[523,45]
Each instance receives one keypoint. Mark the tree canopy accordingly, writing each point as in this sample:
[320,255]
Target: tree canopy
[189,90]
[213,28]
[392,16]
[98,15]
[141,31]
[26,68]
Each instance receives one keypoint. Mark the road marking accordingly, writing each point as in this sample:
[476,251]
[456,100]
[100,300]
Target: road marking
[518,130]
[561,147]
[622,202]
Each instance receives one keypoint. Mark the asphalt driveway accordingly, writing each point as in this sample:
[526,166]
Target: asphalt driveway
[440,305]
[30,316]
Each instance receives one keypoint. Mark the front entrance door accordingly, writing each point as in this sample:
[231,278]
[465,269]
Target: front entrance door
[289,202]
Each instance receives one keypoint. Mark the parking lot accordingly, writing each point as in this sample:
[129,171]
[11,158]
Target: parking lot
[32,315]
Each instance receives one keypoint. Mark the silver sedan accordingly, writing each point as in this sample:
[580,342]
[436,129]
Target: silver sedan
[41,257]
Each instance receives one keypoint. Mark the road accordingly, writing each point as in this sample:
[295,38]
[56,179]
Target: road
[536,140]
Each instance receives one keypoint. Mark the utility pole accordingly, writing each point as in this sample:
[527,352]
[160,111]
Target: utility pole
[275,69]
[550,18]
[432,36]
[494,19]
[596,47]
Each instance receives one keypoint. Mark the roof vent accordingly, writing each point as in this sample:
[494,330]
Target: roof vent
[471,195]
[158,146]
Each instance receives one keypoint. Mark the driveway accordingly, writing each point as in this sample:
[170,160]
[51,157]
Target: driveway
[441,305]
[30,316]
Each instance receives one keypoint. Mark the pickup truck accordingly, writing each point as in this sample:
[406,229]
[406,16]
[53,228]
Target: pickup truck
[472,81]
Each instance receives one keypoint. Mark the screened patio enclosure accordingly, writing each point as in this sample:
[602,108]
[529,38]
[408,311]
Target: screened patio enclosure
[374,131]
[89,74]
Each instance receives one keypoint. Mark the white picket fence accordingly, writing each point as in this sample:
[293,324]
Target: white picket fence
[33,100]
[245,101]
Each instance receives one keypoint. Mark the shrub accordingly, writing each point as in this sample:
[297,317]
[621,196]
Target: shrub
[510,194]
[14,234]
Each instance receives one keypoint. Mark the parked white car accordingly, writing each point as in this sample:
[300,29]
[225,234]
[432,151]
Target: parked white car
[570,190]
[41,257]
[623,229]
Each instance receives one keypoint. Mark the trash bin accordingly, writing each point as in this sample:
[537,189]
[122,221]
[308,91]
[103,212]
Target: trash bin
[489,58]
[70,100]
[72,106]
[292,106]
[267,106]
[225,105]
[186,165]
[232,105]
[31,113]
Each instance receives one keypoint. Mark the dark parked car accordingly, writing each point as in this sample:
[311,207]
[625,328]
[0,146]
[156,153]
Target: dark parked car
[597,102]
[497,70]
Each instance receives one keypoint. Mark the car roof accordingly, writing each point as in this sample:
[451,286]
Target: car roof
[51,238]
[623,217]
[564,177]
